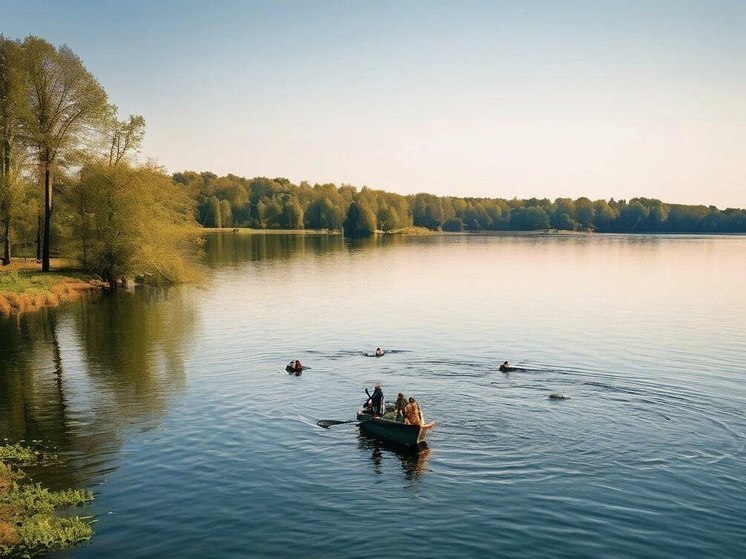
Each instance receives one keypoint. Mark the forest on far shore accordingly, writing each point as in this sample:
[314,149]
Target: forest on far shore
[263,203]
[72,186]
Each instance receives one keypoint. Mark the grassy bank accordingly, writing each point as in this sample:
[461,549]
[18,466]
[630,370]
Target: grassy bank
[24,287]
[29,525]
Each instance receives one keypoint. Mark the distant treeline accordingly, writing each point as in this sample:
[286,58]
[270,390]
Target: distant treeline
[71,186]
[263,203]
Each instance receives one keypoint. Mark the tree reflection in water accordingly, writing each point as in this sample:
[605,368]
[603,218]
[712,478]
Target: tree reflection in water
[227,248]
[74,377]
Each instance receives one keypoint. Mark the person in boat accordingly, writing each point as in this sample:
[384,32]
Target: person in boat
[505,367]
[379,352]
[401,403]
[377,403]
[413,414]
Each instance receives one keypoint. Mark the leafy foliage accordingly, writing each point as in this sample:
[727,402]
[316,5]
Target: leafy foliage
[278,204]
[17,454]
[29,525]
[58,129]
[134,222]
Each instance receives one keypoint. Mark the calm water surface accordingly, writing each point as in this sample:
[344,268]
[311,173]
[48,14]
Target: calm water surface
[173,406]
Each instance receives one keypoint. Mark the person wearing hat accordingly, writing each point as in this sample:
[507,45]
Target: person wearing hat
[376,400]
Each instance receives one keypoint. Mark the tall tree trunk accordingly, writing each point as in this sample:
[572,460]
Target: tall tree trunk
[38,238]
[6,205]
[6,242]
[47,212]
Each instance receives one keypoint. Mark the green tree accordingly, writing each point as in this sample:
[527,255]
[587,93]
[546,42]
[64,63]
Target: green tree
[562,214]
[657,216]
[360,220]
[632,215]
[214,213]
[261,212]
[323,214]
[12,153]
[292,214]
[453,225]
[427,211]
[125,136]
[584,213]
[143,222]
[226,217]
[564,222]
[529,219]
[604,216]
[273,213]
[388,219]
[64,102]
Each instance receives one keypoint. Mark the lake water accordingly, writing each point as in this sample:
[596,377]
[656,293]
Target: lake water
[174,407]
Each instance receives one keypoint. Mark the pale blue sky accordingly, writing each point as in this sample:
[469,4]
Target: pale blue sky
[594,98]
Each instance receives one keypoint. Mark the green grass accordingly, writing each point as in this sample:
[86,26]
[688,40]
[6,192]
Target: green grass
[34,281]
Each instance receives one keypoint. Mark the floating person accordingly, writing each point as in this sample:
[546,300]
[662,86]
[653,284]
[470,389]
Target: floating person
[295,367]
[379,352]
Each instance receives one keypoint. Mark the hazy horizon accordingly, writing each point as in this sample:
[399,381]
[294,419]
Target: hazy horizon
[488,99]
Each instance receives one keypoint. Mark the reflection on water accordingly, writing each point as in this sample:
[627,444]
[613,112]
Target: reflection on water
[76,376]
[179,401]
[413,460]
[32,388]
[228,248]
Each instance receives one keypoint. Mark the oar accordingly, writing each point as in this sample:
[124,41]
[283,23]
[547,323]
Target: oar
[326,423]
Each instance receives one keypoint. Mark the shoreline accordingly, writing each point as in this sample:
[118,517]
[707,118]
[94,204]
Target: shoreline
[25,288]
[414,232]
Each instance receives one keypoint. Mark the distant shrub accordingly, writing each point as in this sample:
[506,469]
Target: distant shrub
[454,225]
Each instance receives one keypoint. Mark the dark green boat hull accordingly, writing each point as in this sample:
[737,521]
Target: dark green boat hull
[392,431]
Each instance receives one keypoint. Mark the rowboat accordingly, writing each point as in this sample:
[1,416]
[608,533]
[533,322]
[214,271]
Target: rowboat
[392,431]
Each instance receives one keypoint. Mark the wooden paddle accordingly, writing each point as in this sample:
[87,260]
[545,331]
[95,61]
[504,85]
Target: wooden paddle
[326,423]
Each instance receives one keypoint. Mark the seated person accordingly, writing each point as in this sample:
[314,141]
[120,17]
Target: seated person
[505,367]
[401,403]
[412,413]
